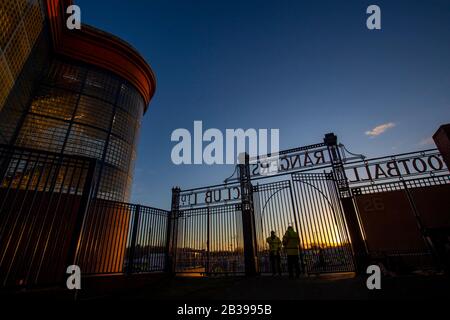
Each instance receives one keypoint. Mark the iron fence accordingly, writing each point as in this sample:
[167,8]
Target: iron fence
[210,240]
[41,198]
[121,237]
[147,249]
[49,220]
[417,206]
[435,180]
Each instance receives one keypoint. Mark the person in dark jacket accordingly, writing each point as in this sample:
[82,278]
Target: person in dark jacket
[291,242]
[275,252]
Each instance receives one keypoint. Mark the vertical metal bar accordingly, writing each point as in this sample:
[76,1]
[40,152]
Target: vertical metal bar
[91,234]
[420,226]
[145,233]
[89,184]
[103,238]
[133,239]
[124,231]
[149,240]
[247,218]
[63,229]
[208,235]
[172,230]
[161,239]
[112,252]
[188,245]
[153,231]
[330,229]
[144,239]
[28,214]
[297,227]
[358,244]
[48,232]
[346,249]
[162,245]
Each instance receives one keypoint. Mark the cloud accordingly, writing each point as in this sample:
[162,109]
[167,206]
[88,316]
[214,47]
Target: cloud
[426,141]
[380,129]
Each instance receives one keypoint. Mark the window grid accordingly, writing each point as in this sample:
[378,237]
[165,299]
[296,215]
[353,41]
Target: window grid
[124,125]
[94,112]
[42,133]
[53,102]
[85,141]
[74,112]
[21,22]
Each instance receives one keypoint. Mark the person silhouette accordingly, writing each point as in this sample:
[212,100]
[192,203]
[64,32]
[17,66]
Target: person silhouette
[274,250]
[291,243]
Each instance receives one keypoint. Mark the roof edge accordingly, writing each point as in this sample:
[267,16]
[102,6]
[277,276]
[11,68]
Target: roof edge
[101,49]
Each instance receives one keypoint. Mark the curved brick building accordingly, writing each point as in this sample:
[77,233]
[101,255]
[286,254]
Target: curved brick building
[74,92]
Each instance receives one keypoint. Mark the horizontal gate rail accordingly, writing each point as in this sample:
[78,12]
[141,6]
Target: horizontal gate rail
[402,184]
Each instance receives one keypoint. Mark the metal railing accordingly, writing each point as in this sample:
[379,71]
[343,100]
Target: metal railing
[310,205]
[41,196]
[49,220]
[121,237]
[209,240]
[417,205]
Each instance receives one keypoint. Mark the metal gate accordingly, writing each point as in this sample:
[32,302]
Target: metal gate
[206,220]
[274,211]
[324,236]
[209,240]
[311,205]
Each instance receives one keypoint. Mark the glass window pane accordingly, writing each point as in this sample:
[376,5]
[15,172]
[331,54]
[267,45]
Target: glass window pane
[94,112]
[42,133]
[101,85]
[86,141]
[54,102]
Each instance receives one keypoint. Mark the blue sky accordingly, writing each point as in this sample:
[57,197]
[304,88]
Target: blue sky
[304,67]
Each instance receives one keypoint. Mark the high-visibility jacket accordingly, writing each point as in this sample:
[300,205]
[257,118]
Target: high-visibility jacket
[274,244]
[291,242]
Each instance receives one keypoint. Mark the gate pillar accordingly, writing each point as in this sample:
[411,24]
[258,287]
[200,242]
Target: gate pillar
[248,216]
[171,233]
[356,237]
[442,140]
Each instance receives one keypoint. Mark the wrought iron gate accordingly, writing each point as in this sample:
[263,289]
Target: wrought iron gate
[209,240]
[323,232]
[320,205]
[309,202]
[311,205]
[274,211]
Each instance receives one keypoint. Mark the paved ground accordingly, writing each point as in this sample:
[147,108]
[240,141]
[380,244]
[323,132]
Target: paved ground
[343,286]
[158,287]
